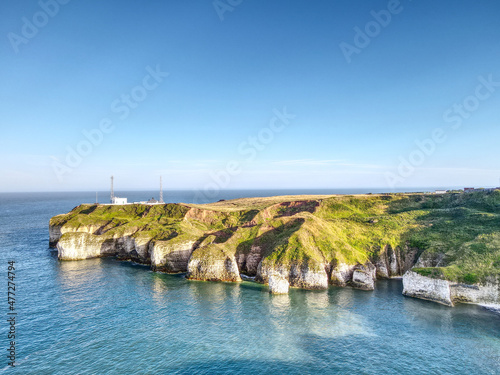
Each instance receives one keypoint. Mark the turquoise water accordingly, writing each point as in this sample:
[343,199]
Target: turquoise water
[103,316]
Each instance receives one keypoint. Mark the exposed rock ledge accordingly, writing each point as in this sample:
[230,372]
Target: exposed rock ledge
[448,293]
[207,261]
[300,241]
[186,255]
[297,275]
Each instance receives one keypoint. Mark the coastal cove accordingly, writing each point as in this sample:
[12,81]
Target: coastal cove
[104,314]
[444,246]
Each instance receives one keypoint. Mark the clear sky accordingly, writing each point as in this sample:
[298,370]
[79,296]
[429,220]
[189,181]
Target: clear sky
[259,94]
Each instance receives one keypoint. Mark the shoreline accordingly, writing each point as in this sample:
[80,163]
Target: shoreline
[303,241]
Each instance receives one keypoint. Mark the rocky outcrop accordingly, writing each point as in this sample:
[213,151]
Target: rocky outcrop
[318,276]
[278,284]
[363,277]
[341,274]
[171,256]
[484,294]
[54,234]
[448,293]
[249,263]
[306,242]
[360,276]
[56,231]
[210,263]
[205,260]
[418,286]
[382,271]
[132,248]
[81,245]
[305,276]
[395,262]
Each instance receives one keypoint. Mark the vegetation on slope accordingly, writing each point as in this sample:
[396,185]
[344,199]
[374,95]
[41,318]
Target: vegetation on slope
[458,233]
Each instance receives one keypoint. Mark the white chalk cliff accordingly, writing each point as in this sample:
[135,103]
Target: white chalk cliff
[448,293]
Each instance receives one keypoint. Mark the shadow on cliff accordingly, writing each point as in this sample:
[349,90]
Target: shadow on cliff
[266,243]
[222,235]
[89,210]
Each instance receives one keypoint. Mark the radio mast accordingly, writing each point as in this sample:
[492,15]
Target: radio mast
[161,191]
[112,192]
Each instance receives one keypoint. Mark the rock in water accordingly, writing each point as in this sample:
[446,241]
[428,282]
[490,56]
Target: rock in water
[448,293]
[278,284]
[363,280]
[415,285]
[309,243]
[363,276]
[307,276]
[341,274]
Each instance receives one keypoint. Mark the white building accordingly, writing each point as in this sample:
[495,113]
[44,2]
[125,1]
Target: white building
[117,200]
[440,192]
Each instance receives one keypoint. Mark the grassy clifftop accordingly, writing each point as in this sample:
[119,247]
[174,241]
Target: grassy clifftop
[458,234]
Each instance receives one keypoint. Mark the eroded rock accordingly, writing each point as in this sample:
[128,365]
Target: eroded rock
[172,255]
[278,284]
[210,263]
[418,286]
[305,276]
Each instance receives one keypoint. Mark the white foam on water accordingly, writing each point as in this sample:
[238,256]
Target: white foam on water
[491,307]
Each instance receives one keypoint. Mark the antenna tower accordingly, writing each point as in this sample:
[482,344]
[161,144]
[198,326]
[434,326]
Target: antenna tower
[112,192]
[161,191]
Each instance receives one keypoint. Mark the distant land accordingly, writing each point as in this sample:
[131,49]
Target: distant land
[444,245]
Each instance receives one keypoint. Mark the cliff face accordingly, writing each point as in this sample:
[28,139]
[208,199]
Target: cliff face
[171,256]
[278,284]
[83,245]
[436,290]
[219,268]
[305,242]
[249,263]
[54,234]
[449,293]
[77,246]
[297,275]
[211,262]
[394,262]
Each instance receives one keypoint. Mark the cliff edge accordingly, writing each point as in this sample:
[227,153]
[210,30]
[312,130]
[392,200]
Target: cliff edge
[446,246]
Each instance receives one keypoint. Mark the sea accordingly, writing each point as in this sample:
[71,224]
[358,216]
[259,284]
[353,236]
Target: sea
[104,316]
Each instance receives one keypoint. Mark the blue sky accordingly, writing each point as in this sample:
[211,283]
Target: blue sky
[352,122]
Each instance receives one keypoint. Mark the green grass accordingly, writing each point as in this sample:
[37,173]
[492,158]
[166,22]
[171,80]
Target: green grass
[460,230]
